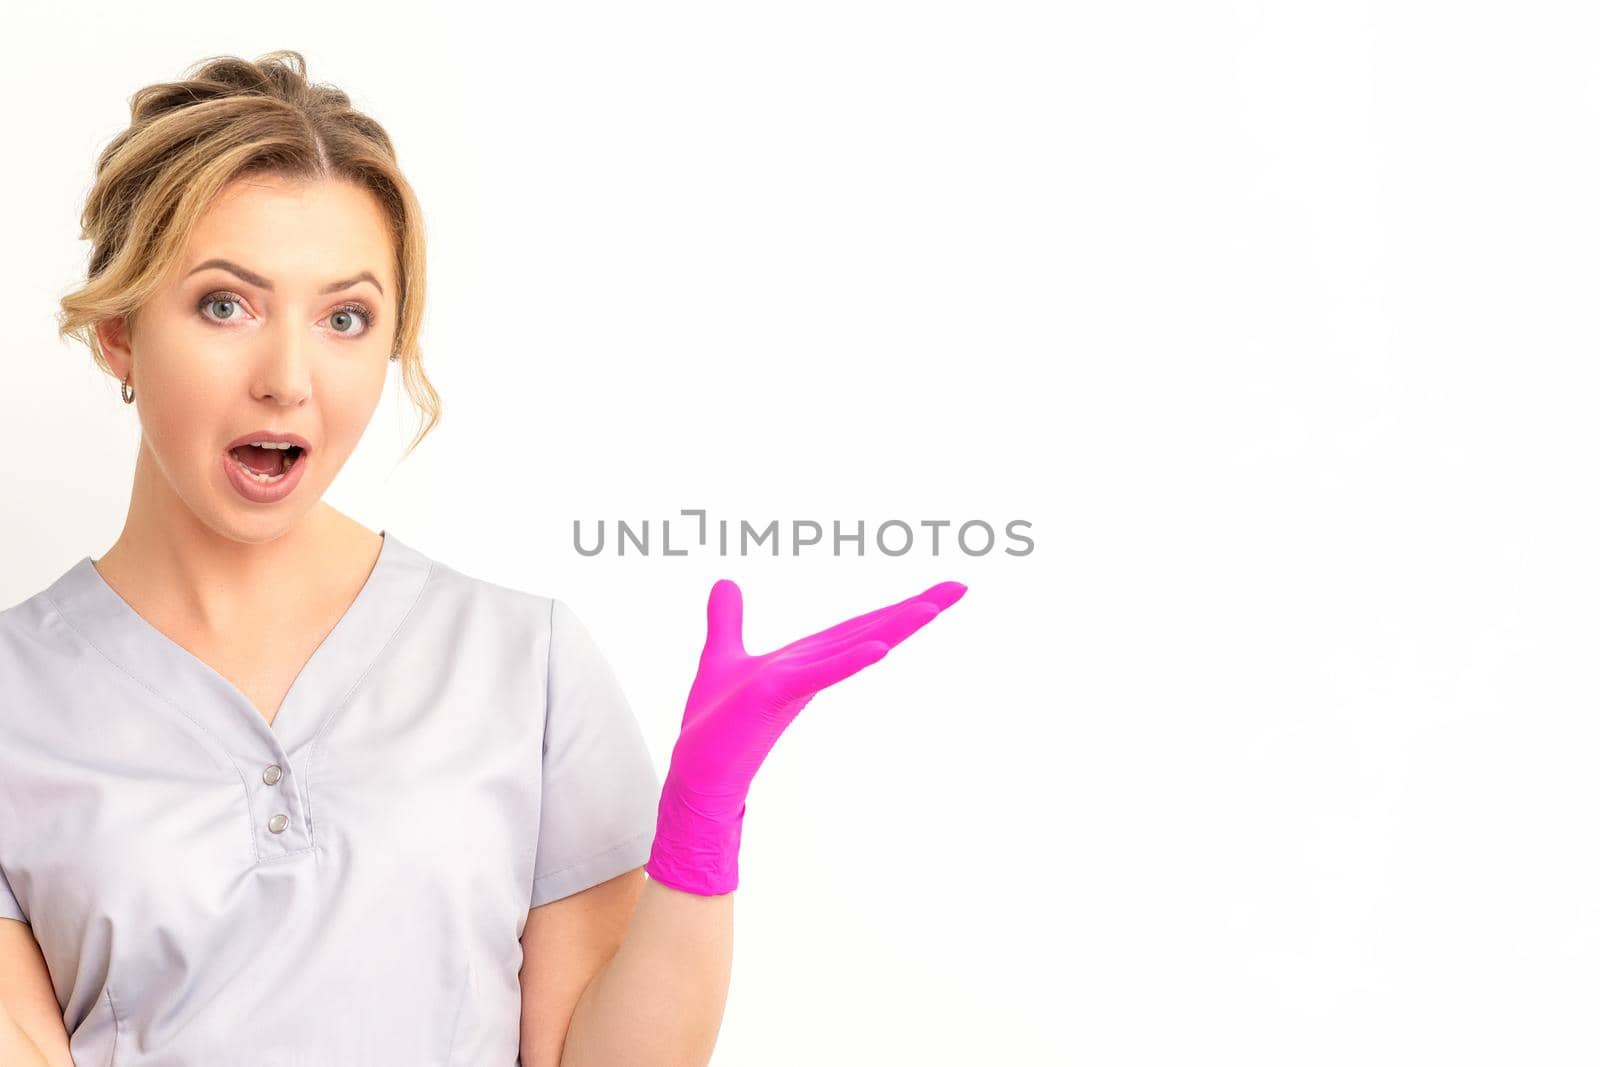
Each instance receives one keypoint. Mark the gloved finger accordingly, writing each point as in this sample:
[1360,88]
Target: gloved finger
[803,678]
[943,595]
[891,629]
[725,616]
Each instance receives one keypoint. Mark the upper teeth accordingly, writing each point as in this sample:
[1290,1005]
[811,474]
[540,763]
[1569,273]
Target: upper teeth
[272,444]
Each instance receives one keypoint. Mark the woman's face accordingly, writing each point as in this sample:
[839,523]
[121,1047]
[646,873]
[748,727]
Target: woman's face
[277,341]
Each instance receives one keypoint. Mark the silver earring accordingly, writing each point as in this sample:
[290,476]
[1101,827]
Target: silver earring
[127,391]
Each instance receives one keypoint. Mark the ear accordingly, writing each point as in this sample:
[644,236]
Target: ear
[115,336]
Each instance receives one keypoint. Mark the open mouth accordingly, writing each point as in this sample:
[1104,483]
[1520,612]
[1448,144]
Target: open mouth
[265,465]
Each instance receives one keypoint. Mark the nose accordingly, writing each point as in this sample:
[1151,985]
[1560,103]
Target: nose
[283,365]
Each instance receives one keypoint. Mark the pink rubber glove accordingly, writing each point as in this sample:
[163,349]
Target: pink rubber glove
[738,705]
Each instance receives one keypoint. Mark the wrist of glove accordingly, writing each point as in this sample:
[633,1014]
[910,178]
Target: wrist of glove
[696,848]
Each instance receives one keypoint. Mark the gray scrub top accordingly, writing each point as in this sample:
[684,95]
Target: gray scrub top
[345,886]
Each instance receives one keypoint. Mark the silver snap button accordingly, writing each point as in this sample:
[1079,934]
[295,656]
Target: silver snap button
[272,775]
[278,823]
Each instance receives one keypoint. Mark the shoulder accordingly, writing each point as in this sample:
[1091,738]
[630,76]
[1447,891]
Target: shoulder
[41,658]
[459,587]
[32,634]
[34,611]
[467,607]
[469,600]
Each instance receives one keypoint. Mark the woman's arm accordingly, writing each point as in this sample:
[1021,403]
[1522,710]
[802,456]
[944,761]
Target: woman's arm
[32,1033]
[659,1001]
[16,1050]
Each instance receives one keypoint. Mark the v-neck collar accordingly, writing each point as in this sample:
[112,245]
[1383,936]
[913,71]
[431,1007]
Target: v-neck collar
[183,680]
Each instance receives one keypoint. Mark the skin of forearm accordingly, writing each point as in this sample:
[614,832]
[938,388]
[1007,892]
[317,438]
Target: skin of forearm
[658,1002]
[16,1048]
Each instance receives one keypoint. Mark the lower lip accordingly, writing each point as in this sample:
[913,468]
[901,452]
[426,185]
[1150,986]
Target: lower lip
[263,492]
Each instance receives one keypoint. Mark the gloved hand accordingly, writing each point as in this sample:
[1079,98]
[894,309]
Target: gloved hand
[738,705]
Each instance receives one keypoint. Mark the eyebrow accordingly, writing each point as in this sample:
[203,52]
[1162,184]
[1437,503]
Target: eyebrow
[255,279]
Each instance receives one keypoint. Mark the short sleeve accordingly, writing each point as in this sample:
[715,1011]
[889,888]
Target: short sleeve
[9,908]
[599,791]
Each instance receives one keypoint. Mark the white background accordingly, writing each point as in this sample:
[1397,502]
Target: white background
[1275,320]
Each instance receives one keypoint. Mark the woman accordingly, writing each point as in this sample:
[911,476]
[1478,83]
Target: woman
[275,788]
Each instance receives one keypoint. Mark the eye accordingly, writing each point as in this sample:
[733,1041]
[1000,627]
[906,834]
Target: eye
[228,300]
[341,317]
[352,311]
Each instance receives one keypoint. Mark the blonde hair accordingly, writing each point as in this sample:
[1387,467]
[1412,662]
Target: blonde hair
[187,140]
